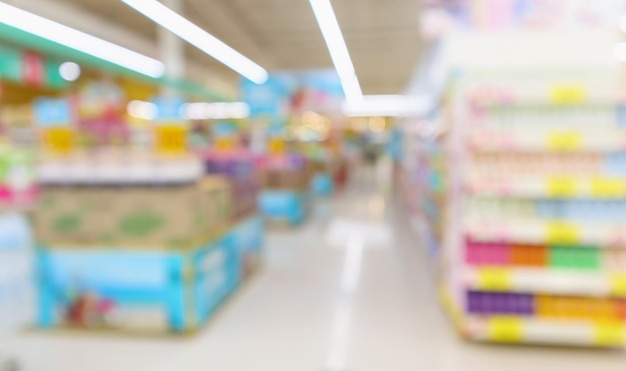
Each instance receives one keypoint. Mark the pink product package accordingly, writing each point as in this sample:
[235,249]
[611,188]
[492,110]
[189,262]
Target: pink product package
[477,253]
[23,197]
[284,162]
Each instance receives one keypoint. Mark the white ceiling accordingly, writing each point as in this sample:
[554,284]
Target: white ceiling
[382,35]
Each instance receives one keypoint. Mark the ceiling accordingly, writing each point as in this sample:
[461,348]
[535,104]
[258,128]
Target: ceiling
[382,35]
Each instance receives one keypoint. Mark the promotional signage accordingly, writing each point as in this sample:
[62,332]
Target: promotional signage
[171,131]
[55,116]
[29,68]
[289,94]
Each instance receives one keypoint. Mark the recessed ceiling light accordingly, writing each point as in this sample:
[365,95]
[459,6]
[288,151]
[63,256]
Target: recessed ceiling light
[69,71]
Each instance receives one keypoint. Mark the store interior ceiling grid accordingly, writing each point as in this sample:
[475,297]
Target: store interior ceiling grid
[382,35]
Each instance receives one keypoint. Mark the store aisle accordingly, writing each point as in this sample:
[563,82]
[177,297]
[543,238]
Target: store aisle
[347,291]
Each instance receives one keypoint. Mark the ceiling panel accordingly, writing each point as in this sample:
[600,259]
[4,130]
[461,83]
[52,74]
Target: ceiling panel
[382,35]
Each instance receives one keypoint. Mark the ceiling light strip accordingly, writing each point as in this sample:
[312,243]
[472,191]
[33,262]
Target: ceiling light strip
[80,41]
[196,36]
[331,31]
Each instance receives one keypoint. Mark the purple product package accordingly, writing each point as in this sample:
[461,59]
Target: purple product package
[487,303]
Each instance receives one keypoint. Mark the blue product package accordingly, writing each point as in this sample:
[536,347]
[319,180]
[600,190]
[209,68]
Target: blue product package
[134,290]
[322,184]
[288,205]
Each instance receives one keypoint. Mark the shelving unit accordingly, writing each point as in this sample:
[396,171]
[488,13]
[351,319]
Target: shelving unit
[529,227]
[537,240]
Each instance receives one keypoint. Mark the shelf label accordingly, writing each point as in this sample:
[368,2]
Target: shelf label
[564,141]
[607,187]
[171,139]
[562,233]
[609,333]
[277,146]
[494,279]
[59,139]
[568,94]
[561,187]
[618,285]
[224,144]
[505,329]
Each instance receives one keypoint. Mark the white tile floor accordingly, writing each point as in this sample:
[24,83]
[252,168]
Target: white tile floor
[348,291]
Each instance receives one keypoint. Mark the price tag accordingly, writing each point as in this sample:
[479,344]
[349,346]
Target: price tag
[562,233]
[505,329]
[171,139]
[561,187]
[224,143]
[618,285]
[564,142]
[568,94]
[277,146]
[609,333]
[605,188]
[494,279]
[59,139]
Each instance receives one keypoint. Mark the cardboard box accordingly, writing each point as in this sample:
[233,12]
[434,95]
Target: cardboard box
[164,216]
[297,180]
[135,291]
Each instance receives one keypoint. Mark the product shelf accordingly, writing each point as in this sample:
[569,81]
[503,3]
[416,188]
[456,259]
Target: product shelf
[567,141]
[546,281]
[560,187]
[511,329]
[537,231]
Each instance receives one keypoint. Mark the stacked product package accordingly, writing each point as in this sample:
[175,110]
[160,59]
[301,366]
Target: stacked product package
[286,180]
[535,242]
[132,242]
[421,178]
[240,168]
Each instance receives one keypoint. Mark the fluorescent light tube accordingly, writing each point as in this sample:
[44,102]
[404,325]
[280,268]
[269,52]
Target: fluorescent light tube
[218,111]
[142,110]
[80,41]
[329,26]
[199,38]
[388,105]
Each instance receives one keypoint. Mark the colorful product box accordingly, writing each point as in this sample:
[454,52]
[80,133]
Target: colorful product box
[545,306]
[135,290]
[286,205]
[17,178]
[168,215]
[322,184]
[554,256]
[240,169]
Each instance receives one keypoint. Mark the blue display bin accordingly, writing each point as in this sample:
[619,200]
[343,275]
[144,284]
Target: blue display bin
[322,185]
[247,236]
[290,206]
[135,290]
